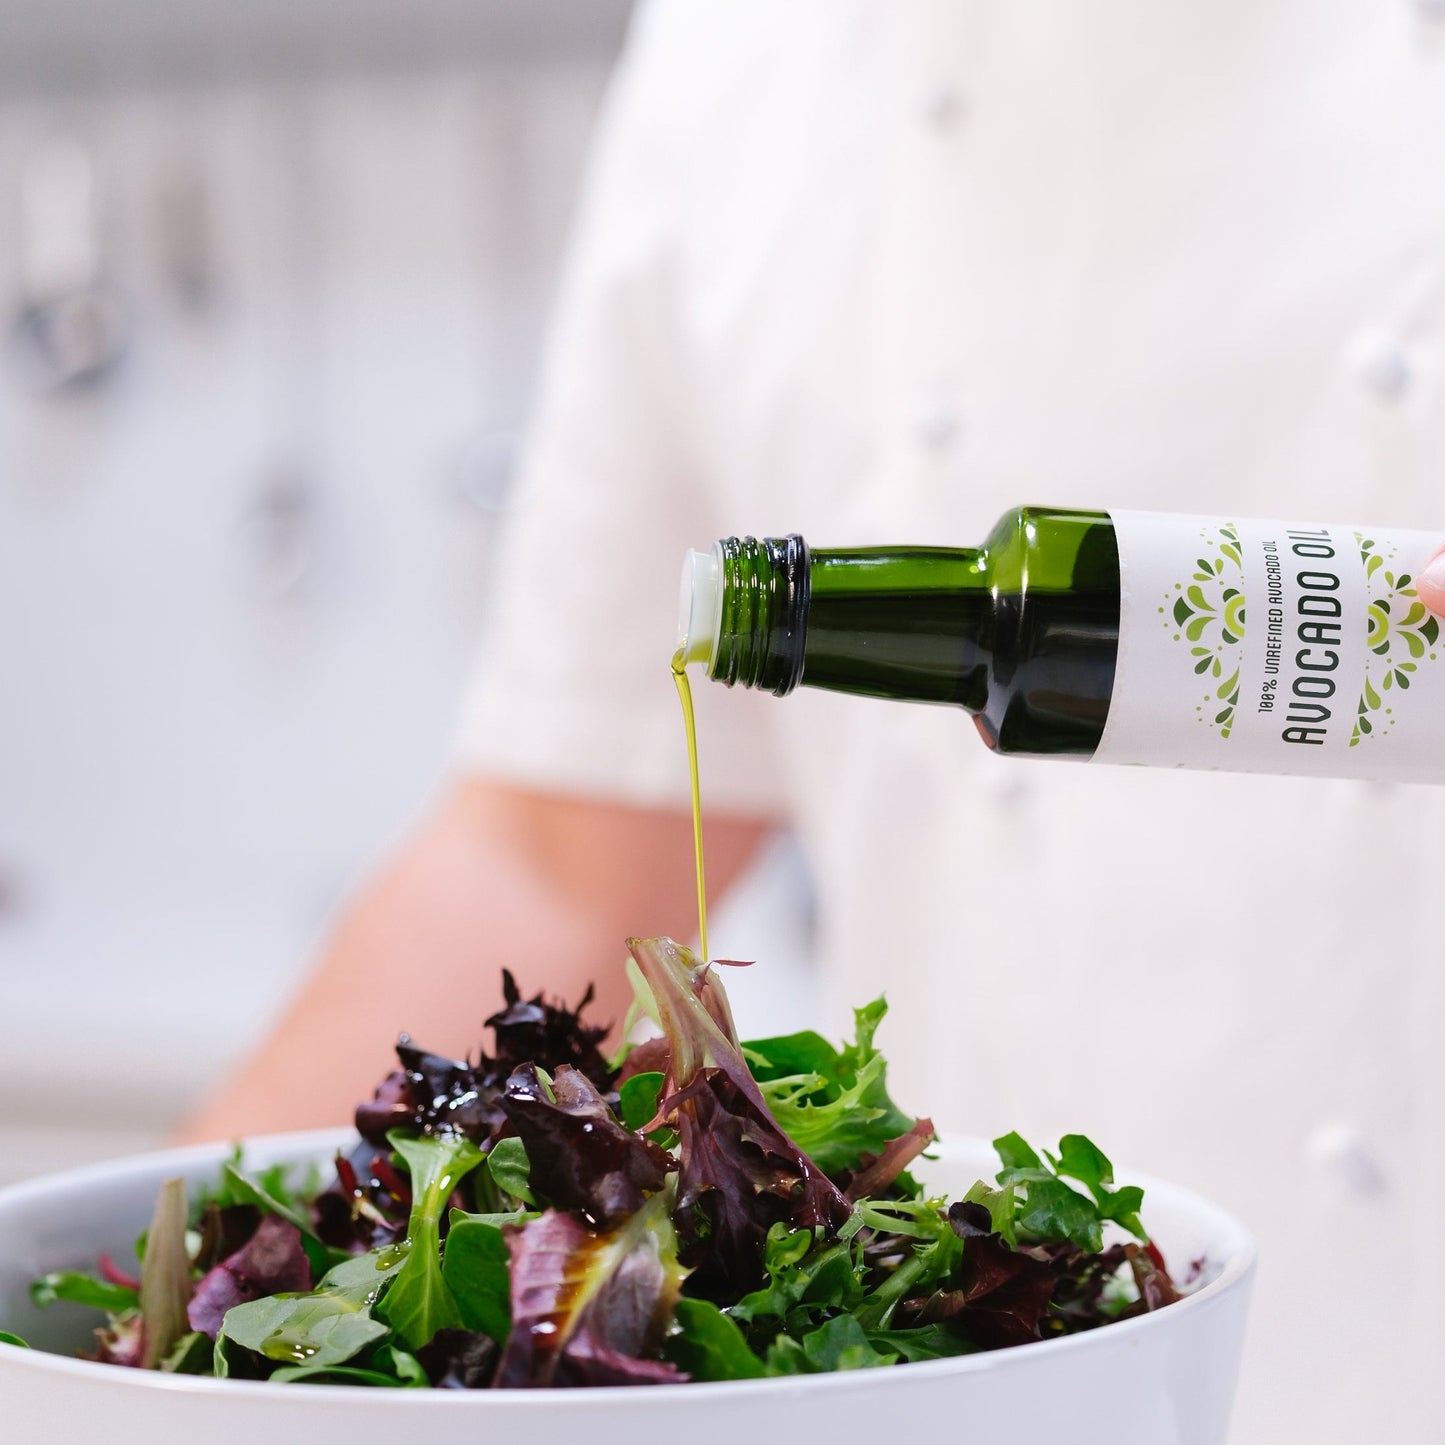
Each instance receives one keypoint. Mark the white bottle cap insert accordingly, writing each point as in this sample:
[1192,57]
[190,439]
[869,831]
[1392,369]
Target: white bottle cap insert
[699,606]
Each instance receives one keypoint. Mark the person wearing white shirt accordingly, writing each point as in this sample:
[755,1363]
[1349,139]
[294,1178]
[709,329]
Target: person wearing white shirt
[876,272]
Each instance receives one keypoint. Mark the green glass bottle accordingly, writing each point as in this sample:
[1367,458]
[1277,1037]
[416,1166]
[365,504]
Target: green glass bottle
[1020,632]
[1134,637]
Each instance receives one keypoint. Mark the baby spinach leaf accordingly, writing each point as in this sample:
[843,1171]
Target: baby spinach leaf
[326,1327]
[710,1346]
[475,1268]
[391,1359]
[508,1166]
[339,1374]
[638,1098]
[1015,1154]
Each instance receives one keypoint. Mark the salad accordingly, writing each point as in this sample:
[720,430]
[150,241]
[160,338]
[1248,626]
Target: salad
[693,1208]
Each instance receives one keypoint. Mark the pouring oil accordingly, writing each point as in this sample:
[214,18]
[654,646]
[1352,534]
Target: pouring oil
[689,721]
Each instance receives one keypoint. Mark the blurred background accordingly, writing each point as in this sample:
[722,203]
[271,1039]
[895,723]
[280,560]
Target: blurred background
[273,282]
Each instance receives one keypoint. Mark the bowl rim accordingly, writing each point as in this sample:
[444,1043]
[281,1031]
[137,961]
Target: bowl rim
[1240,1260]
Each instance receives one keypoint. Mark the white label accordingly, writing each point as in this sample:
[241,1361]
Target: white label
[1275,647]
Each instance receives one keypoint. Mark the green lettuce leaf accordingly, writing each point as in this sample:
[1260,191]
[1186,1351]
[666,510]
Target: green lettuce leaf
[418,1304]
[710,1346]
[835,1103]
[475,1268]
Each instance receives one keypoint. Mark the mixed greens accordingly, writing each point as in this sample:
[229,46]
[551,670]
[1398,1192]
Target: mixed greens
[696,1208]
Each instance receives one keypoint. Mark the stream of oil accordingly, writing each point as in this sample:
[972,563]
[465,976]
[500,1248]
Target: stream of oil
[684,693]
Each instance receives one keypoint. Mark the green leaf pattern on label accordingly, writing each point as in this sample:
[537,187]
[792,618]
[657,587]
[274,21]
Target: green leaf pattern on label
[1401,634]
[1206,613]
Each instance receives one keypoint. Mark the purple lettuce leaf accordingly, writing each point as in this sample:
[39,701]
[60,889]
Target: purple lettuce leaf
[874,1175]
[367,1206]
[548,1034]
[223,1229]
[272,1261]
[1151,1278]
[590,1308]
[739,1173]
[1081,1279]
[433,1094]
[122,1341]
[581,1158]
[459,1360]
[998,1296]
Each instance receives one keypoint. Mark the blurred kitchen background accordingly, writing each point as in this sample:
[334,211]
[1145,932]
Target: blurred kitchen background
[273,283]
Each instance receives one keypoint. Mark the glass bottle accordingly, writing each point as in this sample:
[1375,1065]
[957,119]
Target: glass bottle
[1134,637]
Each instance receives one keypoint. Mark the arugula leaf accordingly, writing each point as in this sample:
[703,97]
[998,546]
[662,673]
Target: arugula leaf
[418,1304]
[1049,1210]
[6,1338]
[1080,1158]
[82,1289]
[275,1181]
[326,1327]
[475,1268]
[1015,1154]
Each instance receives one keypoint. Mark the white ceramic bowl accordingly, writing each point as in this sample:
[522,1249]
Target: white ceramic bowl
[1163,1379]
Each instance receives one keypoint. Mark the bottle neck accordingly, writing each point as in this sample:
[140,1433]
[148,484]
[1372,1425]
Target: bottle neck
[909,623]
[764,612]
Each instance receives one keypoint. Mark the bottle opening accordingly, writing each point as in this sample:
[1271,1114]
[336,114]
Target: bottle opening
[699,606]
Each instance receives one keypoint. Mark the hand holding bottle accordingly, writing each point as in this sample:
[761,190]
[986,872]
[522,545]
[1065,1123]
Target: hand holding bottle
[1432,583]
